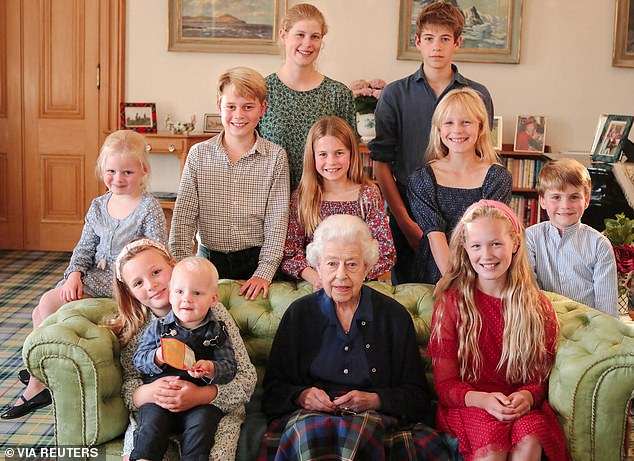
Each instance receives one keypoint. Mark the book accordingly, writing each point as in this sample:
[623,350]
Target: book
[177,354]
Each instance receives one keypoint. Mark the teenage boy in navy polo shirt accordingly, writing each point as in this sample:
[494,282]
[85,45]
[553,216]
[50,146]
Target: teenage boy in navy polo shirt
[403,120]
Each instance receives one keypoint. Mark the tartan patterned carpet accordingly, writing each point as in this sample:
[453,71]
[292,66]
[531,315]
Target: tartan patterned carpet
[24,277]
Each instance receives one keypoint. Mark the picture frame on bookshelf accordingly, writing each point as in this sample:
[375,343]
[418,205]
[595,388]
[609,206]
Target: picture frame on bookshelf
[138,116]
[614,133]
[496,132]
[530,134]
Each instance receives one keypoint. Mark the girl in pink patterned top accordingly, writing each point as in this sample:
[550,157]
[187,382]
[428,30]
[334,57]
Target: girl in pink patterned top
[493,341]
[333,182]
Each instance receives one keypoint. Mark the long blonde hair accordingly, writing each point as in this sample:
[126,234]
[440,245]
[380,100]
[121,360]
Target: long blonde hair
[132,314]
[469,102]
[310,188]
[525,309]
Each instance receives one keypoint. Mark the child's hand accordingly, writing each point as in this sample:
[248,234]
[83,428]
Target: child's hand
[496,404]
[311,276]
[252,287]
[522,402]
[72,289]
[203,369]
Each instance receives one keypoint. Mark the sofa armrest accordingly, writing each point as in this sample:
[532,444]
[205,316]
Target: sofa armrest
[79,362]
[592,380]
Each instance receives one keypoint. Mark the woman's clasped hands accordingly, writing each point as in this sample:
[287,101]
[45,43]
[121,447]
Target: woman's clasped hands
[349,403]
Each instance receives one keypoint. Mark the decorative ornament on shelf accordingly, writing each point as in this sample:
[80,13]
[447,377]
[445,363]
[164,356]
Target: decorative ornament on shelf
[620,231]
[366,95]
[180,127]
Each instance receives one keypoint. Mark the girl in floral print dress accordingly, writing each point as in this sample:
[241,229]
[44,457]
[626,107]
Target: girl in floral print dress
[333,182]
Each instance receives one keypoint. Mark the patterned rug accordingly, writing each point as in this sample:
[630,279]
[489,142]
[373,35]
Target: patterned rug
[24,277]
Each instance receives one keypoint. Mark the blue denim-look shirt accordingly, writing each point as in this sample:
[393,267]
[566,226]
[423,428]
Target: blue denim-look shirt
[403,121]
[341,364]
[207,340]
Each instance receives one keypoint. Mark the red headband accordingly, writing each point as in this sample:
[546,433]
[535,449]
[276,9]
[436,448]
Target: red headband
[500,206]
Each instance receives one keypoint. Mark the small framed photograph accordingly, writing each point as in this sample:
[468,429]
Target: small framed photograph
[496,132]
[138,116]
[212,124]
[598,131]
[530,133]
[613,135]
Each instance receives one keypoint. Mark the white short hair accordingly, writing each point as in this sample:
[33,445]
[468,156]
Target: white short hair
[346,228]
[198,264]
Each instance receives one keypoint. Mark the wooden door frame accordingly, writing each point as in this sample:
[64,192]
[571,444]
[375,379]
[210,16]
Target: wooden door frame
[112,63]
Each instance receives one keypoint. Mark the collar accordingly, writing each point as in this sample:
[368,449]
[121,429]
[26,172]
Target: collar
[170,319]
[420,76]
[567,232]
[363,312]
[256,148]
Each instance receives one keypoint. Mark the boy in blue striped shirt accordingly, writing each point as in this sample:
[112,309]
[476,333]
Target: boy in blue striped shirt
[571,258]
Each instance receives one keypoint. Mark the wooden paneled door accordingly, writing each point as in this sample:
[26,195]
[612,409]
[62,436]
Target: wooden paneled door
[11,209]
[70,64]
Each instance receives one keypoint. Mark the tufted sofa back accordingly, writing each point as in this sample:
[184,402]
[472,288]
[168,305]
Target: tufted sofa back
[258,320]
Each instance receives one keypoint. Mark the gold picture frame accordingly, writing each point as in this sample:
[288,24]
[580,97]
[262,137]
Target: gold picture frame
[502,19]
[623,51]
[226,26]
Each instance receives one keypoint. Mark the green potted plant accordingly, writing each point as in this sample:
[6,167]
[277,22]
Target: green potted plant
[620,231]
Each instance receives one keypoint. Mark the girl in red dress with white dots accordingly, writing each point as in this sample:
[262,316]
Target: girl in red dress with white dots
[493,344]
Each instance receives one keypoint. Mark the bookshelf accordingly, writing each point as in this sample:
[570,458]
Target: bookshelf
[524,167]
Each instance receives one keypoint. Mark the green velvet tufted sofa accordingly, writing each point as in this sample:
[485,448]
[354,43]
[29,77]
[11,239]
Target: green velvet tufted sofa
[591,384]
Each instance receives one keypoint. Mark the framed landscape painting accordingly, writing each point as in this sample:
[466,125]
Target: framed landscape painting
[491,32]
[225,26]
[623,53]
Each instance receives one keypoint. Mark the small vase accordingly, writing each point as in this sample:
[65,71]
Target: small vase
[365,127]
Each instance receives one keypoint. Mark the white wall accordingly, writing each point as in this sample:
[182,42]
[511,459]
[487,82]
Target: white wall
[565,72]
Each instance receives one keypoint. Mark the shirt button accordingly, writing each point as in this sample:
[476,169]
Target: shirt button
[373,370]
[367,346]
[346,348]
[345,371]
[363,323]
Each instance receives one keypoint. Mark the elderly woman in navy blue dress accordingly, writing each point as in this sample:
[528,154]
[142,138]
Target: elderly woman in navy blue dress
[345,377]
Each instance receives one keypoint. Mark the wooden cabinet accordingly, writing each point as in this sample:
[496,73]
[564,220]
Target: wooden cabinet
[166,143]
[524,167]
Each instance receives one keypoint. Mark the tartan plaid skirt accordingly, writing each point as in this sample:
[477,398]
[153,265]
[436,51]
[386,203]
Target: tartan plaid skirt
[311,435]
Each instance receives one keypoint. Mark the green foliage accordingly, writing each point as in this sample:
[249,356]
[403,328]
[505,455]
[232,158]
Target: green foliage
[620,230]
